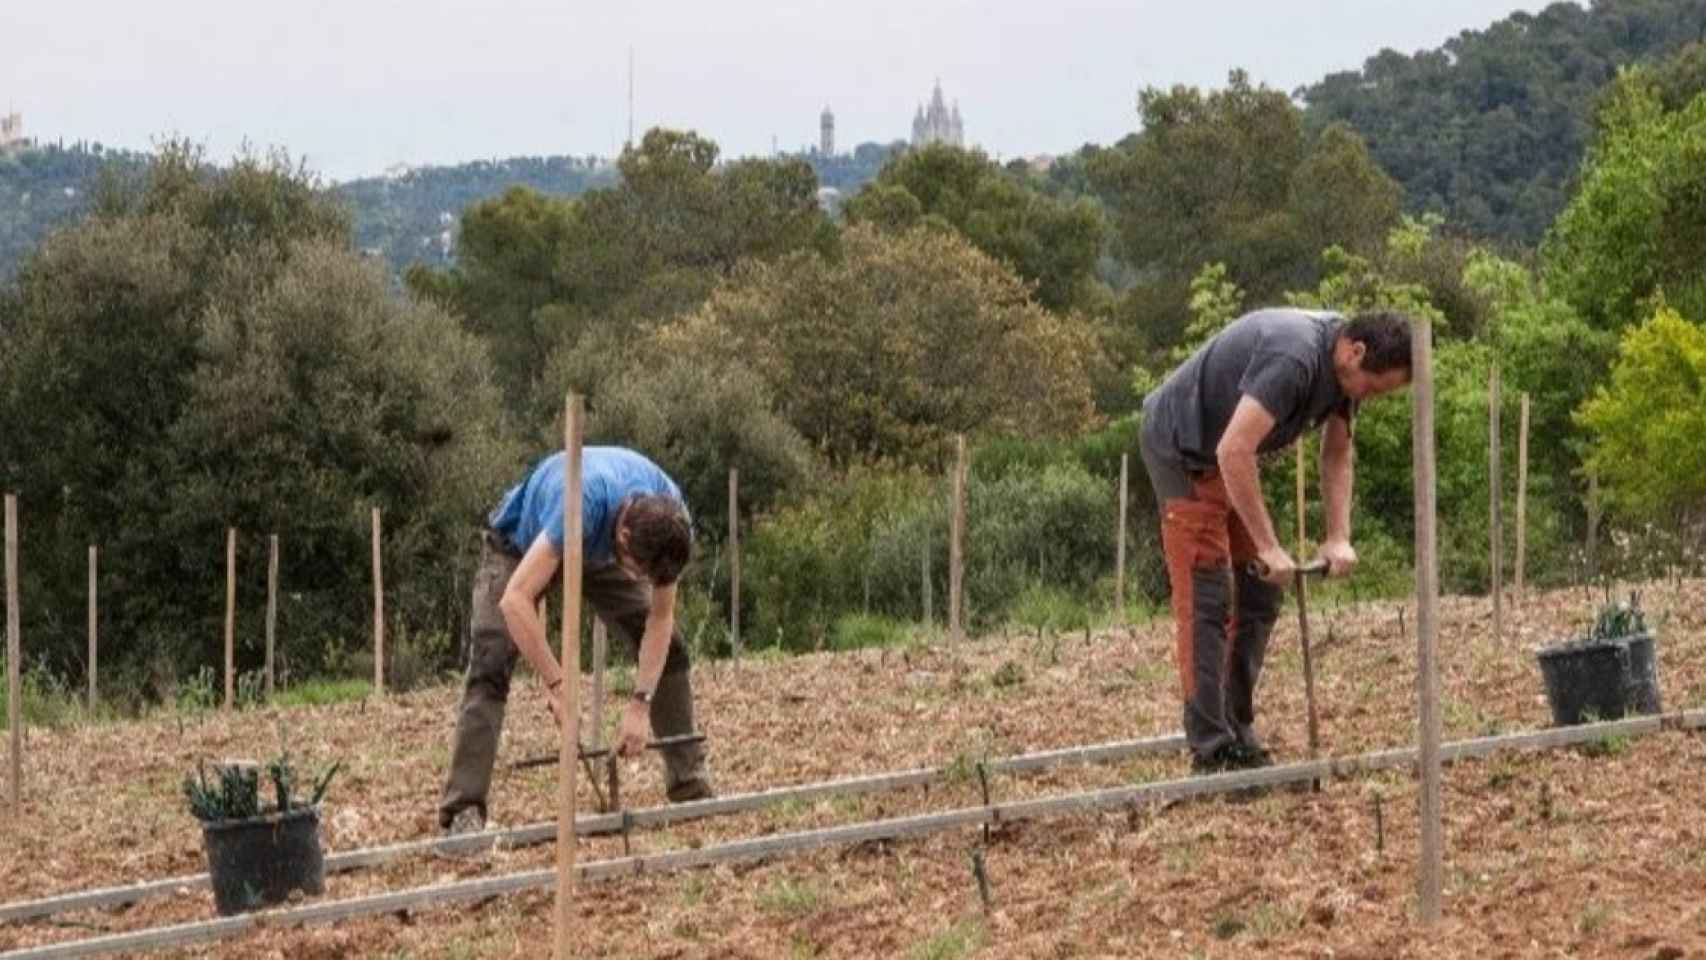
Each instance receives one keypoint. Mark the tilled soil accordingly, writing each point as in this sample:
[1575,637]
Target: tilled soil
[1581,852]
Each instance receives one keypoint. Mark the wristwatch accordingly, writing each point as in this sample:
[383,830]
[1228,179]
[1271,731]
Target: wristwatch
[643,696]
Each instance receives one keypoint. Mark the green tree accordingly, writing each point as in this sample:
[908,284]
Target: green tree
[896,344]
[1232,177]
[209,352]
[1051,242]
[1636,230]
[1646,424]
[536,275]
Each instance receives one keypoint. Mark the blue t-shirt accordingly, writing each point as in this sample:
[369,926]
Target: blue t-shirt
[609,475]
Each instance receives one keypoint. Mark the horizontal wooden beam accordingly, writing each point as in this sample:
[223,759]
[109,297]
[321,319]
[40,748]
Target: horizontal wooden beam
[891,829]
[602,824]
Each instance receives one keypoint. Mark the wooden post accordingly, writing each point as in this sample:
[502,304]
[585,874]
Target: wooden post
[1427,625]
[14,654]
[378,613]
[230,617]
[1495,522]
[1302,527]
[1521,498]
[734,561]
[272,606]
[1593,525]
[569,746]
[600,652]
[1119,548]
[94,620]
[924,563]
[956,546]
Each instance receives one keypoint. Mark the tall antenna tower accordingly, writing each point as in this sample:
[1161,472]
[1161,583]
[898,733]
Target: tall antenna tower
[630,96]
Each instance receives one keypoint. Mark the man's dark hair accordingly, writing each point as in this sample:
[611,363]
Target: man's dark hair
[1385,336]
[660,540]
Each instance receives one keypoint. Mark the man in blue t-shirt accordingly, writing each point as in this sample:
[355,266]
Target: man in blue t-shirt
[1253,389]
[636,538]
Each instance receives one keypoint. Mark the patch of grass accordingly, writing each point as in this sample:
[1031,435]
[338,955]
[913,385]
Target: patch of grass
[1227,926]
[847,804]
[693,888]
[44,699]
[199,693]
[960,940]
[803,947]
[1594,917]
[793,899]
[1009,674]
[1044,607]
[319,693]
[1612,745]
[1180,857]
[861,630]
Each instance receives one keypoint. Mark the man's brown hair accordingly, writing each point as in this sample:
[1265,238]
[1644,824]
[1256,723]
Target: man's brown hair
[660,539]
[1385,336]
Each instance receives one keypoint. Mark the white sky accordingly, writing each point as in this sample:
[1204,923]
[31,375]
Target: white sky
[359,85]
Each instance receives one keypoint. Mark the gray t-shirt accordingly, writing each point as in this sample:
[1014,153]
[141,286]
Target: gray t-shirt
[1281,357]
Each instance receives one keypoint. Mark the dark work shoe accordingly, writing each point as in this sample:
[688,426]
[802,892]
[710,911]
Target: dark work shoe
[460,838]
[698,788]
[1218,760]
[1247,756]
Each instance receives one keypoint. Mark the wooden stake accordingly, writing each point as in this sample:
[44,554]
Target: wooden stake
[956,546]
[230,617]
[378,613]
[14,655]
[1119,549]
[600,651]
[924,566]
[94,607]
[1302,542]
[272,606]
[734,561]
[569,747]
[1593,525]
[1495,522]
[1430,868]
[1521,497]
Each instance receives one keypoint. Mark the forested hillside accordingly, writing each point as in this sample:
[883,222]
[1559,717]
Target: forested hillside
[1489,128]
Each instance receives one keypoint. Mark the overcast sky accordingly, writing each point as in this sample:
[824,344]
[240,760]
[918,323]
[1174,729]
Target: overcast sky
[358,85]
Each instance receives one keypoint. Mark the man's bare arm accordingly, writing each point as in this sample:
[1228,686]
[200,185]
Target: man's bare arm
[1236,454]
[520,607]
[1338,455]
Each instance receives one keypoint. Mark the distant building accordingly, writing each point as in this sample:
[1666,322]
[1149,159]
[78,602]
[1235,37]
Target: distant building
[937,123]
[826,126]
[12,132]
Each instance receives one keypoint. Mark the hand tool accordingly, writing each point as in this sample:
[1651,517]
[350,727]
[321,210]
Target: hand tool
[1300,584]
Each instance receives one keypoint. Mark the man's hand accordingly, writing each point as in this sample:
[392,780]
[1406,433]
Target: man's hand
[1277,566]
[1341,557]
[555,702]
[636,729]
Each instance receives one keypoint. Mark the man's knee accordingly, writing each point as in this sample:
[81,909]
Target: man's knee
[1258,600]
[491,663]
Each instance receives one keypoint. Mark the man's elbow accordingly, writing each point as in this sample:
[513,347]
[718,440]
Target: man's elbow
[1231,454]
[513,603]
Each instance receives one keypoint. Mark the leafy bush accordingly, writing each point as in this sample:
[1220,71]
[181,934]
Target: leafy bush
[857,631]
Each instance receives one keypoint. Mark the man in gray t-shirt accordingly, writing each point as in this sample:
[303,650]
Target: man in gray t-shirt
[1262,382]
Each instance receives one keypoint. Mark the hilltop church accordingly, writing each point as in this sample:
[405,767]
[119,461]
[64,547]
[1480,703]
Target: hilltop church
[12,132]
[938,123]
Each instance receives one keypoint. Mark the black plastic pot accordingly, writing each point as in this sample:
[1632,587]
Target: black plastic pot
[1601,679]
[260,861]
